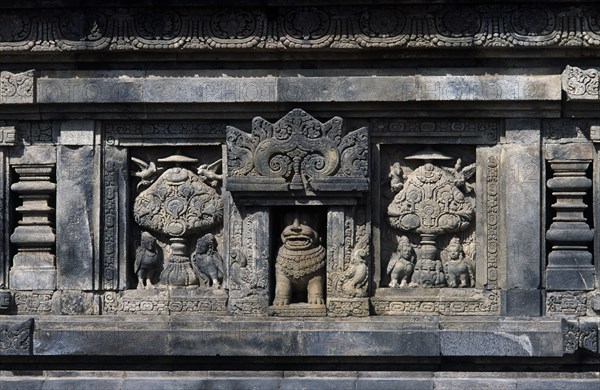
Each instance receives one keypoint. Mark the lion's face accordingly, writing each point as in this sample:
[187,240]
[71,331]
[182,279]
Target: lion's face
[298,235]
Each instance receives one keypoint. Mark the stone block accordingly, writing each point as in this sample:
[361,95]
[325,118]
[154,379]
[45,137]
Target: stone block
[75,180]
[527,303]
[76,133]
[506,338]
[522,197]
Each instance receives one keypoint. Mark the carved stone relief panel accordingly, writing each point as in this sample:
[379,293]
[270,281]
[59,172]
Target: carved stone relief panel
[432,216]
[428,241]
[306,181]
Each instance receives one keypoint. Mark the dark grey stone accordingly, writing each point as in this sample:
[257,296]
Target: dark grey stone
[75,217]
[521,180]
[517,303]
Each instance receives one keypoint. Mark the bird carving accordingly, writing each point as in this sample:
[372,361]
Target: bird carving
[146,173]
[211,172]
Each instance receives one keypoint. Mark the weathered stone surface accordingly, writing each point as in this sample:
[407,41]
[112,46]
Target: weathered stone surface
[137,87]
[521,182]
[75,217]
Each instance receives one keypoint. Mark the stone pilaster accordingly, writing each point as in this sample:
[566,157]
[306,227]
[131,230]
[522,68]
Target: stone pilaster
[570,259]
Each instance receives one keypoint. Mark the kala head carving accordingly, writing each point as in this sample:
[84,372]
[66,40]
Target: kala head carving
[300,263]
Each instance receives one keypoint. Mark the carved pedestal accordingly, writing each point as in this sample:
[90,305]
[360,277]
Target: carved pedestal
[33,265]
[570,260]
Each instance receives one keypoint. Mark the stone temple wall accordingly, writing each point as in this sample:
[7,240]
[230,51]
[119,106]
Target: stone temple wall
[299,194]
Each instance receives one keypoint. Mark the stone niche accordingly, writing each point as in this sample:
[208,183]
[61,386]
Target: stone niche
[298,226]
[172,258]
[432,249]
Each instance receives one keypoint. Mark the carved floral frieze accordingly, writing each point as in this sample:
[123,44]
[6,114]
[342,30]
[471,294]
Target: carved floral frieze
[357,27]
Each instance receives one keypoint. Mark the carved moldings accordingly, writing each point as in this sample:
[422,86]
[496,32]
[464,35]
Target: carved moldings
[33,266]
[483,131]
[297,153]
[17,88]
[444,302]
[165,302]
[569,260]
[194,28]
[16,338]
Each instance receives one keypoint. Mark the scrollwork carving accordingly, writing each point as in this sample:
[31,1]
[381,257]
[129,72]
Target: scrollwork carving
[297,152]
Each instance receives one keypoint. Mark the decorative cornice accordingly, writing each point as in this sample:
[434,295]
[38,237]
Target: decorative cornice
[279,28]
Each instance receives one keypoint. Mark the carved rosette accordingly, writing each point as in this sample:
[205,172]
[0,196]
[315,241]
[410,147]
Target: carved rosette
[297,152]
[177,205]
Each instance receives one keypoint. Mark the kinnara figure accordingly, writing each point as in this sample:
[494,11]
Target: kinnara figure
[147,259]
[402,263]
[457,268]
[300,263]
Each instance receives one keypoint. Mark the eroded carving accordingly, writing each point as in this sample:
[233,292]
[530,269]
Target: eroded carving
[148,259]
[17,87]
[402,264]
[16,339]
[579,83]
[297,152]
[207,262]
[431,201]
[459,272]
[300,263]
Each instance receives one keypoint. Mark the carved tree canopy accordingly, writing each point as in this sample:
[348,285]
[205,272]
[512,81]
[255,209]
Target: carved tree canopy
[297,152]
[177,204]
[430,202]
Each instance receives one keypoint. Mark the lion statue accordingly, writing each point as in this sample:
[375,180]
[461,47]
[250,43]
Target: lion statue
[300,263]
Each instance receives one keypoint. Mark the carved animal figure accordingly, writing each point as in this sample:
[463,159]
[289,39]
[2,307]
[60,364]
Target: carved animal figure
[397,177]
[352,281]
[300,263]
[147,261]
[402,263]
[457,268]
[146,173]
[211,172]
[207,262]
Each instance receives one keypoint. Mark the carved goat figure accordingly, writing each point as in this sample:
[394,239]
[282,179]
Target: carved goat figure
[300,263]
[207,262]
